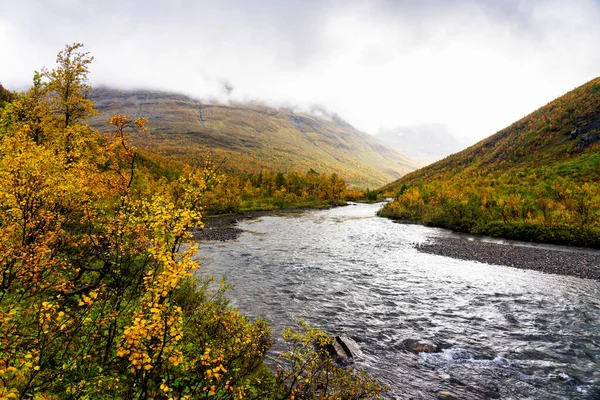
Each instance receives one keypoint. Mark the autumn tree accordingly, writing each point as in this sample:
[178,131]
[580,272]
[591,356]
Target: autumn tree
[97,294]
[67,85]
[30,113]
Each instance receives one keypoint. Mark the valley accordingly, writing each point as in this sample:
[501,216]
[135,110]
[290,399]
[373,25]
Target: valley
[157,246]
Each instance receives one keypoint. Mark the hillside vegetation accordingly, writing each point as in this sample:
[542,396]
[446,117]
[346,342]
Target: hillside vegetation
[5,95]
[538,179]
[253,137]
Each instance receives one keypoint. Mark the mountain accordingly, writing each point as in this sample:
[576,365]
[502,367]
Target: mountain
[5,95]
[426,143]
[251,137]
[538,179]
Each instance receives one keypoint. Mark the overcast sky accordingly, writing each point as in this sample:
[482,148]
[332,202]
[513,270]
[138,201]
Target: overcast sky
[474,66]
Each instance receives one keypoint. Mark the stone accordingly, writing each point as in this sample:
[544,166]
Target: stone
[337,351]
[420,346]
[587,140]
[350,347]
[445,395]
[343,350]
[574,133]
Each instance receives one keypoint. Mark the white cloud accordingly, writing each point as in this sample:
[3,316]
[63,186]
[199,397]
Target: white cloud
[470,65]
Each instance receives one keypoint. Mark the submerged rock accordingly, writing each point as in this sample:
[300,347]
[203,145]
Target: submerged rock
[420,346]
[445,395]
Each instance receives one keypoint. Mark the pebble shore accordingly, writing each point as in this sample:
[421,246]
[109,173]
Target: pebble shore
[219,228]
[549,260]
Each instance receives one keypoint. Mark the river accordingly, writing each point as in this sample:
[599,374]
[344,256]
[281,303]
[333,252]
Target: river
[506,333]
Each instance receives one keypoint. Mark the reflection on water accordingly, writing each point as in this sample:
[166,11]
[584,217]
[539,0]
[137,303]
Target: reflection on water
[507,333]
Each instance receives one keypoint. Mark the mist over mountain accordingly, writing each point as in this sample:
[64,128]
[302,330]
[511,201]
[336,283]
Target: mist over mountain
[426,143]
[250,137]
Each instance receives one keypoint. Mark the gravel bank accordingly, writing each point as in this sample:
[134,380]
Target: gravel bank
[219,228]
[552,261]
[222,227]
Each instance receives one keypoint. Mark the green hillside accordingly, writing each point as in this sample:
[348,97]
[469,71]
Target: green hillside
[537,179]
[5,95]
[254,137]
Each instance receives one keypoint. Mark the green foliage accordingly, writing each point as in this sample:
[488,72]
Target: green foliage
[5,96]
[371,195]
[268,191]
[525,207]
[311,373]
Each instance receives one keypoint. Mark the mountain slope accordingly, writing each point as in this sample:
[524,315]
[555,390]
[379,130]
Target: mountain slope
[252,137]
[540,177]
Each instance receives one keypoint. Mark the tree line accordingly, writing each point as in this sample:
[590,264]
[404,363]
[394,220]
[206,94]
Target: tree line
[523,206]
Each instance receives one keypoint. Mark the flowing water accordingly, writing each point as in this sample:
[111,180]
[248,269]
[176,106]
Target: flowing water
[506,333]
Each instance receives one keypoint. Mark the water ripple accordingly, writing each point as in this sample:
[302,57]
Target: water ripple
[506,333]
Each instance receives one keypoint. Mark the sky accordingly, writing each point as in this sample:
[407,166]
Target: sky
[472,66]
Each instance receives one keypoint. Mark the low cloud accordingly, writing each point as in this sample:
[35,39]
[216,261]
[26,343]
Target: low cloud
[470,65]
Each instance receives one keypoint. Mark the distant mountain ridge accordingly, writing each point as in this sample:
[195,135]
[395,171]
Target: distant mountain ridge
[552,138]
[252,137]
[425,143]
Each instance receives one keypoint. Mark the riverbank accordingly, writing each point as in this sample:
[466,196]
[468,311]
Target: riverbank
[223,227]
[581,264]
[571,234]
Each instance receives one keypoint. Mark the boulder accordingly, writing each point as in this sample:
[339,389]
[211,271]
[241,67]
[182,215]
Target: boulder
[574,133]
[343,350]
[337,352]
[587,140]
[350,347]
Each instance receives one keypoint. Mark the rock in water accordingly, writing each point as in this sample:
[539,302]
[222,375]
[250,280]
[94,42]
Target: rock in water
[337,351]
[445,395]
[420,346]
[343,350]
[350,346]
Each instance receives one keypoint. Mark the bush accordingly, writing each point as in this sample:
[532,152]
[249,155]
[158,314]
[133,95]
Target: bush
[311,373]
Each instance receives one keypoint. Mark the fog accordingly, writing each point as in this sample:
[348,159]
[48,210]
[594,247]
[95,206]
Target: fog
[470,66]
